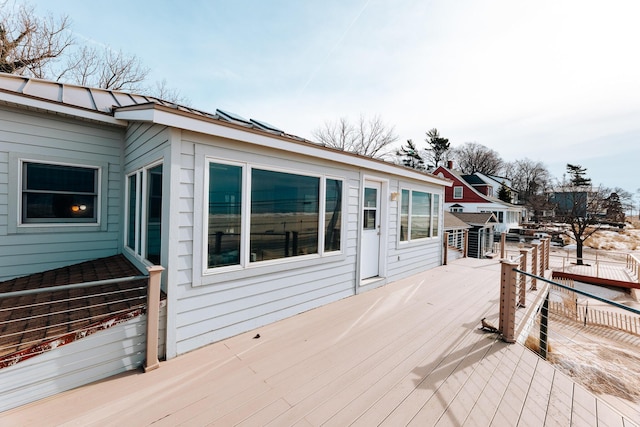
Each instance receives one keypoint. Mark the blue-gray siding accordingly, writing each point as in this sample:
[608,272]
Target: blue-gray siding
[25,250]
[227,304]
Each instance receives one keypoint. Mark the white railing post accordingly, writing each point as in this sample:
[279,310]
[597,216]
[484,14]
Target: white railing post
[153,317]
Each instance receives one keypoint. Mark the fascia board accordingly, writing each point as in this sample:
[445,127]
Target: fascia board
[208,127]
[43,105]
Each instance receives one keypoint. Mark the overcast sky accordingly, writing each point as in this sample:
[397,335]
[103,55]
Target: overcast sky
[555,81]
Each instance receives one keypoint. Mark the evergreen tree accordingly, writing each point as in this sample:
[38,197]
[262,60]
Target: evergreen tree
[437,147]
[577,174]
[504,193]
[410,156]
[613,205]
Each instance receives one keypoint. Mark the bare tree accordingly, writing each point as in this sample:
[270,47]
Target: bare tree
[579,206]
[528,177]
[104,68]
[44,48]
[28,44]
[368,137]
[472,157]
[162,91]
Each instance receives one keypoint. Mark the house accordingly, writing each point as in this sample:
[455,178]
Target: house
[463,196]
[490,185]
[251,224]
[482,224]
[576,201]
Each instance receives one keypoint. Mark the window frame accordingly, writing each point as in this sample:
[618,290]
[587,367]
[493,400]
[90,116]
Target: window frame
[15,223]
[408,239]
[139,251]
[461,195]
[245,265]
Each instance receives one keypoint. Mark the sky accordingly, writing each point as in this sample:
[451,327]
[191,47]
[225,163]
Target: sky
[556,81]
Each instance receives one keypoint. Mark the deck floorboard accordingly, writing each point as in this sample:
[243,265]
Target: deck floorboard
[409,353]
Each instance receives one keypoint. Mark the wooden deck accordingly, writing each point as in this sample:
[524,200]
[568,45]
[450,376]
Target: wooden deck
[409,353]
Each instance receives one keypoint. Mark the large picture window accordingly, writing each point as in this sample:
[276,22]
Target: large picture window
[419,216]
[257,215]
[284,215]
[54,193]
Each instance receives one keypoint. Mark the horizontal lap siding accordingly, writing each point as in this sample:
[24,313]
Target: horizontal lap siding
[4,192]
[55,137]
[97,356]
[408,259]
[211,312]
[144,144]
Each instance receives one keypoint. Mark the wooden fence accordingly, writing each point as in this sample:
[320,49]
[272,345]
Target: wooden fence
[591,316]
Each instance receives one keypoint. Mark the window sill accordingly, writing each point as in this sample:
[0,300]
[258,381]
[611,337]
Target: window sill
[419,242]
[230,273]
[56,228]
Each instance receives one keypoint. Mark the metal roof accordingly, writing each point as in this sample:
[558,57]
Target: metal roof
[104,105]
[106,101]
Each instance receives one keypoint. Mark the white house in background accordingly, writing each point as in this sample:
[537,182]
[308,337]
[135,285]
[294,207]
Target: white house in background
[251,224]
[462,197]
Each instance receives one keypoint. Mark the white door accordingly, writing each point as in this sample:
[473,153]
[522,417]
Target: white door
[370,252]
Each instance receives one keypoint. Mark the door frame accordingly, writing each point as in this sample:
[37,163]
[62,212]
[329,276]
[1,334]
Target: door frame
[384,227]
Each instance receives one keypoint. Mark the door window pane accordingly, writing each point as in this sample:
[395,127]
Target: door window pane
[284,215]
[333,215]
[370,208]
[225,215]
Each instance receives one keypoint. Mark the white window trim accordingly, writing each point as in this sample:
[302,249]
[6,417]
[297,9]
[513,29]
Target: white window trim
[15,224]
[140,239]
[246,268]
[409,240]
[461,196]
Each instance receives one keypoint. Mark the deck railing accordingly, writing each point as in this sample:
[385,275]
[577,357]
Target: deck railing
[633,265]
[515,290]
[590,338]
[59,314]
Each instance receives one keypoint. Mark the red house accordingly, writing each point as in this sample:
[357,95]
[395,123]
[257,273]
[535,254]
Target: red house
[463,197]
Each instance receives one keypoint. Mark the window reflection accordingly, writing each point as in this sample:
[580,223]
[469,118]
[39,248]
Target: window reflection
[284,215]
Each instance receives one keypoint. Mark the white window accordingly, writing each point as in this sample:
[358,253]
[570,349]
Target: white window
[419,215]
[457,192]
[143,226]
[278,215]
[59,193]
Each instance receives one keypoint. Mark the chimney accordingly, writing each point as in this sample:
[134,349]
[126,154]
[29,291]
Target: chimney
[449,164]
